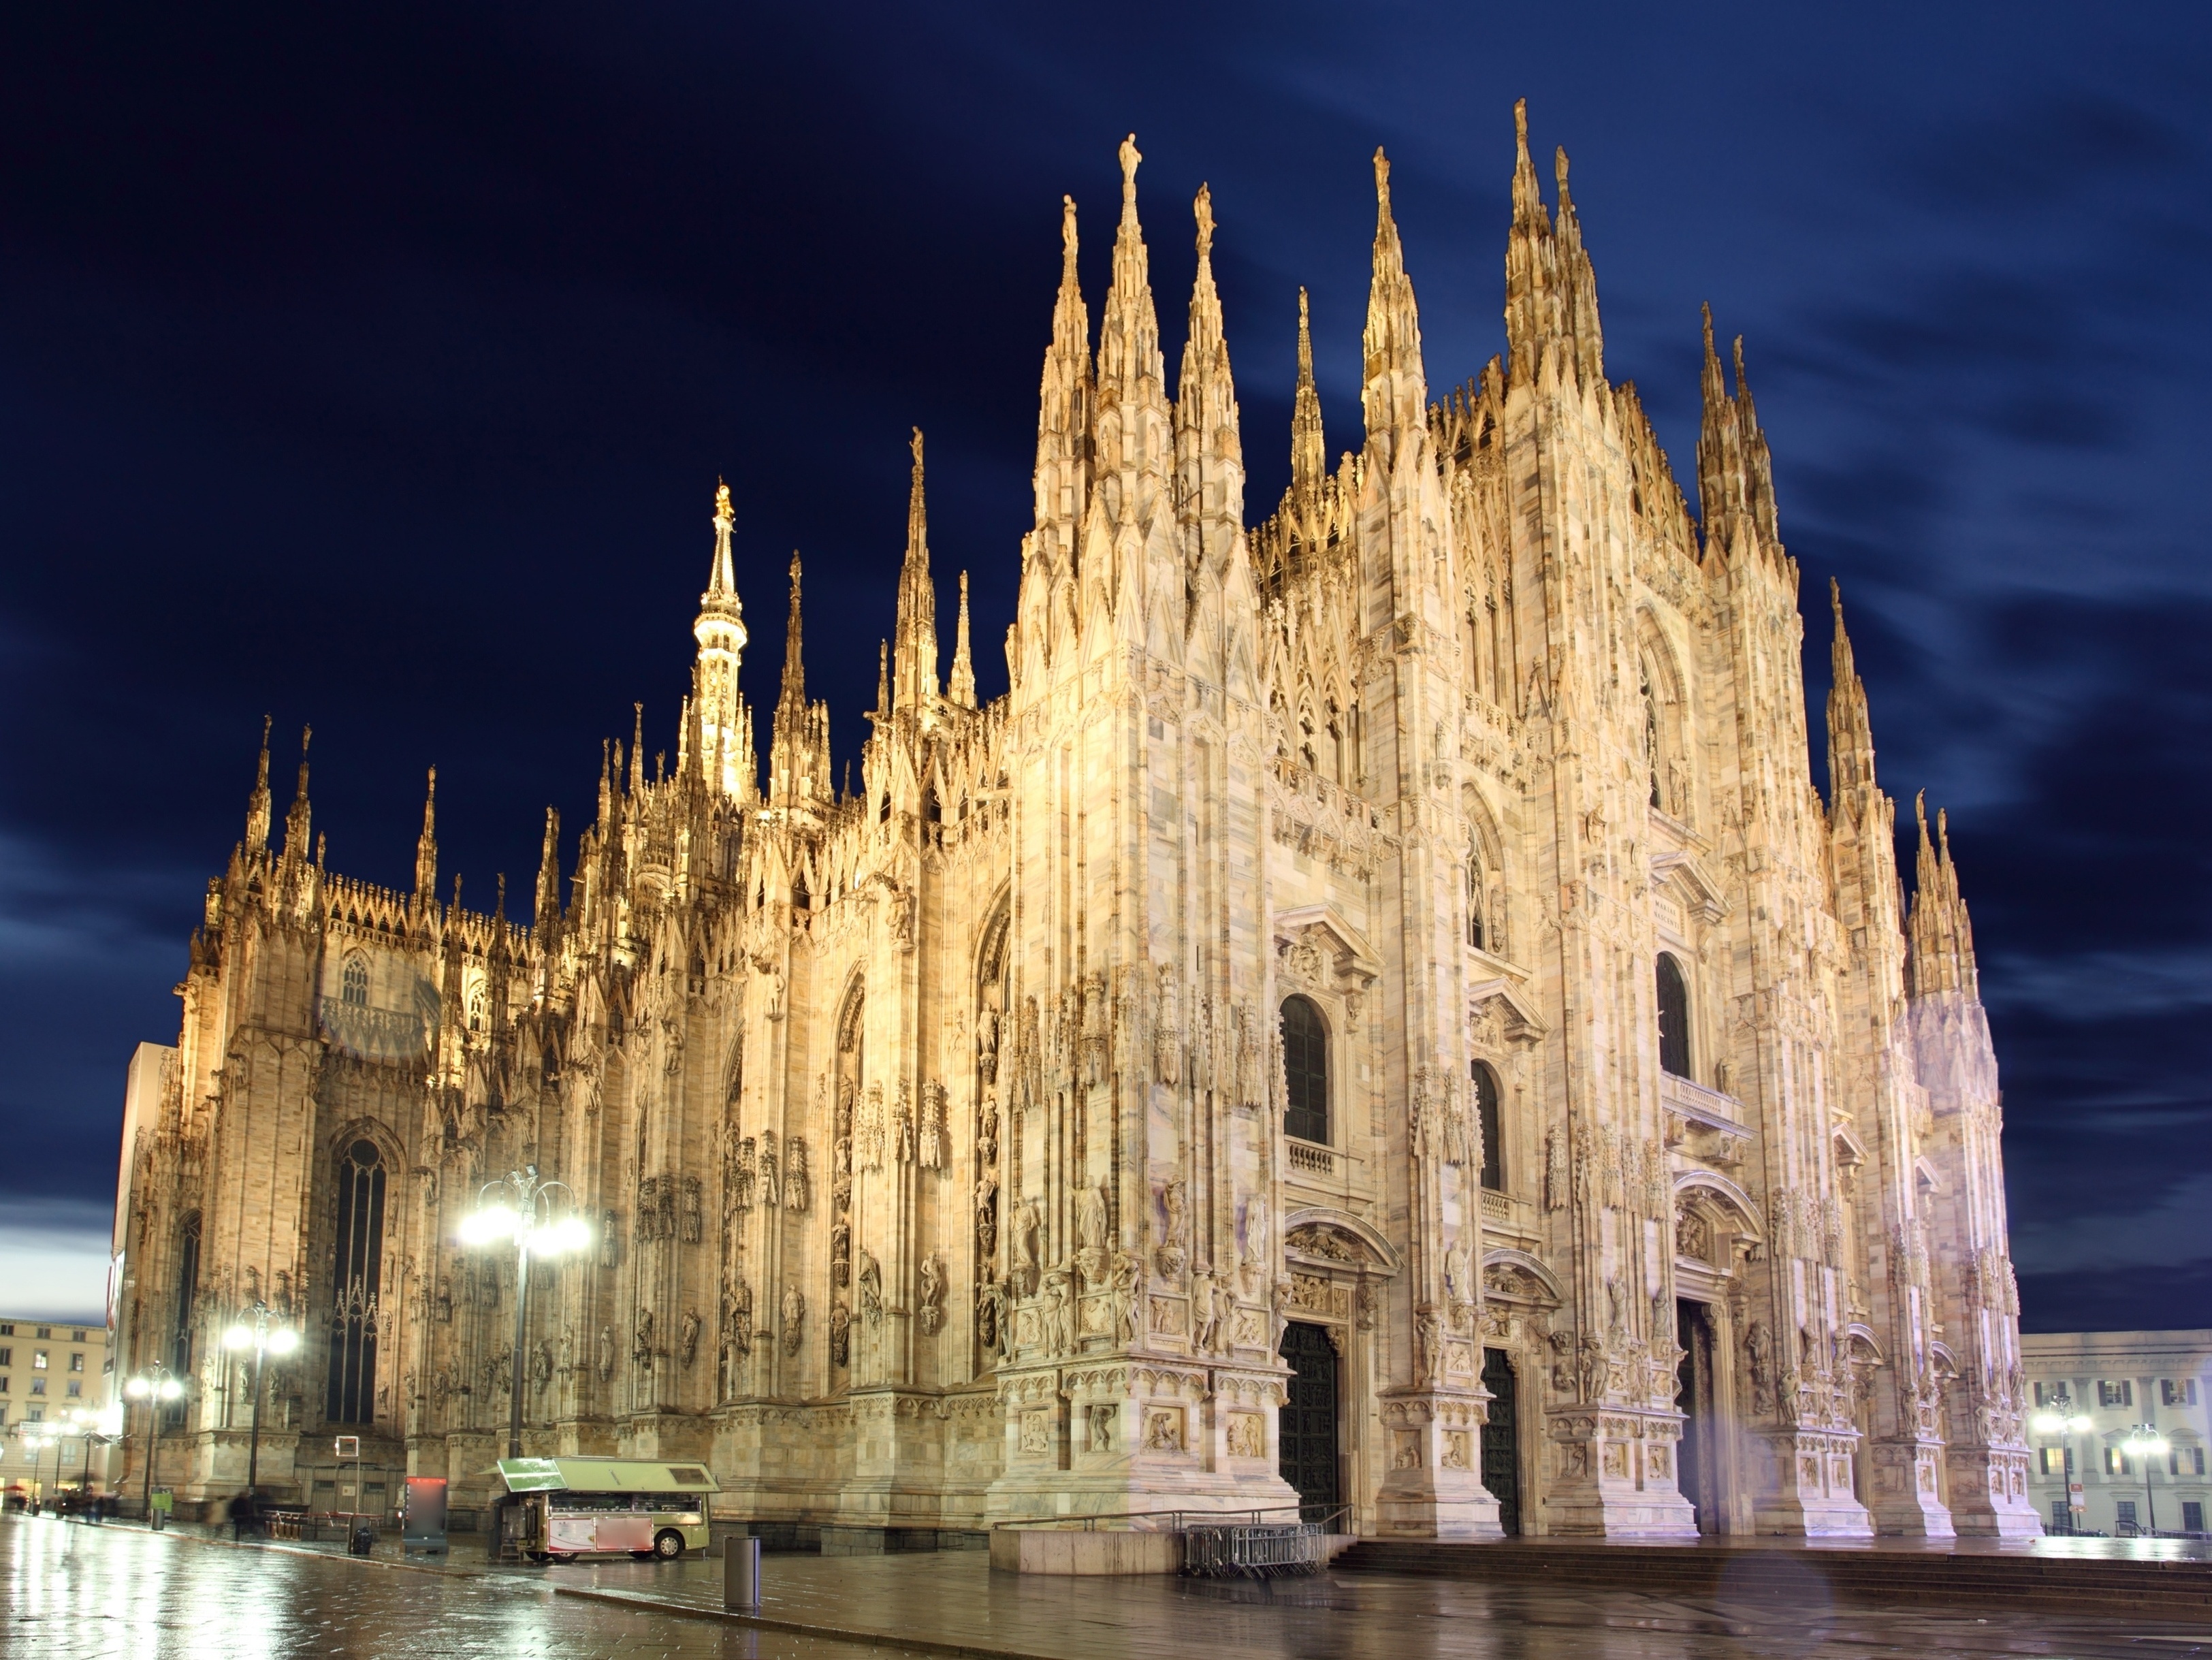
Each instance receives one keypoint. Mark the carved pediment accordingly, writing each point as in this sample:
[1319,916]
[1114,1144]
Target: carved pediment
[1512,1276]
[1315,944]
[1681,870]
[1332,1238]
[1499,1012]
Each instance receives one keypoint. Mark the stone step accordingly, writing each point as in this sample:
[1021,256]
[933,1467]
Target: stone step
[2181,1589]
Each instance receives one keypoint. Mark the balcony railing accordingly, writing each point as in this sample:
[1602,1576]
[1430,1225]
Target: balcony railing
[1321,1164]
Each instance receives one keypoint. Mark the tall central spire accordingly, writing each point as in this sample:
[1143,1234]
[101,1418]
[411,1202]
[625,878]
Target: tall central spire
[914,685]
[725,738]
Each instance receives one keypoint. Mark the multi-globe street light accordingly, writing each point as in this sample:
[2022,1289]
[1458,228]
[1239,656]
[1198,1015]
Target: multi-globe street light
[159,1388]
[521,1207]
[37,1435]
[264,1342]
[2145,1442]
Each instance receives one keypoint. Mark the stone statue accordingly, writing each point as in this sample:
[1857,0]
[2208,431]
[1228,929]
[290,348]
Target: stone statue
[687,1336]
[1205,1313]
[841,1334]
[1027,1224]
[986,1215]
[640,1347]
[1127,1275]
[1058,1321]
[606,1354]
[794,1319]
[991,1336]
[872,1288]
[932,1313]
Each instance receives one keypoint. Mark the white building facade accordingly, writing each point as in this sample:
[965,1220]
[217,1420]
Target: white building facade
[2119,1431]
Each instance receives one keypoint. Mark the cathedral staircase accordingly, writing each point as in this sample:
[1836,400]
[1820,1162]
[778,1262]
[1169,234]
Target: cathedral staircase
[1792,1572]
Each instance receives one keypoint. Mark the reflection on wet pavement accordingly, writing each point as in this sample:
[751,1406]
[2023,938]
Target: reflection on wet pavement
[73,1592]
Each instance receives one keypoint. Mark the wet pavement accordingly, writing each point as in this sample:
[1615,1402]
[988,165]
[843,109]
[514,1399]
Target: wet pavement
[71,1591]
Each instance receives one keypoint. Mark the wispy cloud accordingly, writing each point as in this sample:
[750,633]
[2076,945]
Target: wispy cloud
[54,1259]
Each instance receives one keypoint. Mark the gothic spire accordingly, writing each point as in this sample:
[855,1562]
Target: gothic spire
[717,749]
[1578,285]
[637,750]
[1940,934]
[257,805]
[1850,735]
[962,688]
[1395,396]
[1533,309]
[1309,442]
[426,845]
[1129,365]
[1735,474]
[1209,446]
[296,820]
[548,909]
[1063,457]
[915,683]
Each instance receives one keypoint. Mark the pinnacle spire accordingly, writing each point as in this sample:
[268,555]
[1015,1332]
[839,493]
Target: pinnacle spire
[793,696]
[720,751]
[637,749]
[1735,473]
[1129,365]
[1939,930]
[548,907]
[1065,399]
[962,688]
[257,805]
[1209,447]
[296,820]
[1309,440]
[1850,735]
[916,627]
[1395,393]
[426,845]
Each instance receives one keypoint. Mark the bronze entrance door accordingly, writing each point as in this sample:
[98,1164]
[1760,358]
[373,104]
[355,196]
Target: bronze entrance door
[1695,1473]
[1307,1428]
[1501,1440]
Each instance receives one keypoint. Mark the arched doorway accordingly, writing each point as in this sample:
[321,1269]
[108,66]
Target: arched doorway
[1501,1440]
[1697,1463]
[1307,1429]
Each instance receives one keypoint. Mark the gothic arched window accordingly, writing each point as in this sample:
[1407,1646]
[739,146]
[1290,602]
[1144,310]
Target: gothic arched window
[356,1280]
[1478,932]
[1486,1117]
[188,1295]
[1306,1071]
[1674,1018]
[353,984]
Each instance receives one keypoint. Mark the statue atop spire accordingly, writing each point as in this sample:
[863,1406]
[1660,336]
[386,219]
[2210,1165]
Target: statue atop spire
[257,805]
[296,820]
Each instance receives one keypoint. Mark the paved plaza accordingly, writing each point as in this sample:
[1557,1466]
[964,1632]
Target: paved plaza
[72,1592]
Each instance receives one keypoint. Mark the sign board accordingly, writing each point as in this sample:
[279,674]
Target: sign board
[349,1446]
[164,1500]
[423,1525]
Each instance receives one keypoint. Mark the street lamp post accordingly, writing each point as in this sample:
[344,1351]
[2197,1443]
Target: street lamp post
[2061,1425]
[2144,1441]
[520,1209]
[157,1387]
[38,1437]
[263,1343]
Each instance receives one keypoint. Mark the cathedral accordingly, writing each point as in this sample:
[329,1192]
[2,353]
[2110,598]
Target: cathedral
[1377,1018]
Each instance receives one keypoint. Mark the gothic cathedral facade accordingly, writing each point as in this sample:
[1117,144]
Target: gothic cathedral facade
[1378,1015]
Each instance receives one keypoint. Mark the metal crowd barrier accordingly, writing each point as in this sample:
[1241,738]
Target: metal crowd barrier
[1265,1550]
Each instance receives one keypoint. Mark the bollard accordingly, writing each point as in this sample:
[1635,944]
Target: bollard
[740,1572]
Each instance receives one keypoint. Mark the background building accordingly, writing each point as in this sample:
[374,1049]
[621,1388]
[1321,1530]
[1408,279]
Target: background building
[2092,1392]
[1378,1015]
[53,1373]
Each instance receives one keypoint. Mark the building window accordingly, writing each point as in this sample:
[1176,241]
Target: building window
[45,1331]
[2192,1516]
[75,1390]
[2126,1511]
[1486,1119]
[1674,1018]
[2046,1460]
[3,1375]
[76,1337]
[1651,739]
[2177,1391]
[2122,1394]
[353,983]
[350,1397]
[39,1360]
[38,1386]
[1306,1071]
[2116,1462]
[76,1362]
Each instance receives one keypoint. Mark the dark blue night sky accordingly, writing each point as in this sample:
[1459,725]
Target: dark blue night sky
[373,367]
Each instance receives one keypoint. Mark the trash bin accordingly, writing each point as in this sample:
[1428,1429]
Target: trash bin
[364,1542]
[740,1573]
